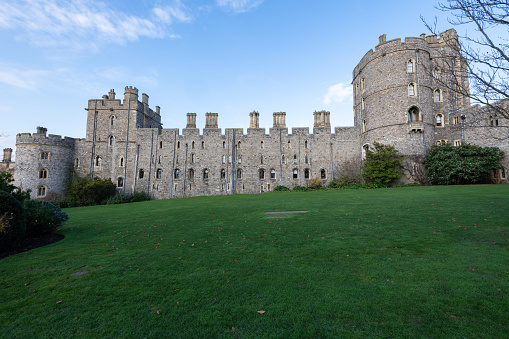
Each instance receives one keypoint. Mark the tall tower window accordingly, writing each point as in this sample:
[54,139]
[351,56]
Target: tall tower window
[41,191]
[176,174]
[44,155]
[239,174]
[191,173]
[413,114]
[410,66]
[411,90]
[323,174]
[112,121]
[223,173]
[111,140]
[205,173]
[295,173]
[159,173]
[261,173]
[439,122]
[141,174]
[306,173]
[273,174]
[43,174]
[438,96]
[98,161]
[120,182]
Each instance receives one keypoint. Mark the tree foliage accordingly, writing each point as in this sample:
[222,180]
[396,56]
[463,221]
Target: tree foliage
[382,165]
[485,51]
[92,191]
[6,185]
[42,217]
[465,164]
[12,221]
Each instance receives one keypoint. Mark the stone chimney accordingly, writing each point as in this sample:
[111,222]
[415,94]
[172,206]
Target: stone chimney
[322,119]
[279,119]
[211,120]
[144,99]
[41,130]
[191,120]
[254,119]
[7,155]
[382,39]
[111,94]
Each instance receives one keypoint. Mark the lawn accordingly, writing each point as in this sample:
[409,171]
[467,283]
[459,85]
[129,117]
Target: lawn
[405,262]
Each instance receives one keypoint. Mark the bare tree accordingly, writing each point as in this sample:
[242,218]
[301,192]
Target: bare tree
[486,52]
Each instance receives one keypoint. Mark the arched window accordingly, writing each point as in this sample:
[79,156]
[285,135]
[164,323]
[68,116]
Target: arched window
[205,173]
[44,155]
[261,159]
[239,173]
[363,84]
[362,103]
[410,66]
[323,174]
[202,144]
[239,160]
[122,162]
[238,145]
[294,159]
[224,144]
[176,174]
[306,173]
[160,144]
[178,144]
[439,122]
[411,90]
[289,144]
[191,174]
[438,96]
[306,144]
[141,174]
[192,158]
[98,161]
[273,174]
[120,182]
[306,159]
[159,173]
[112,121]
[223,160]
[261,173]
[261,144]
[111,140]
[159,159]
[295,173]
[413,114]
[283,159]
[192,145]
[177,159]
[43,174]
[223,173]
[41,191]
[363,125]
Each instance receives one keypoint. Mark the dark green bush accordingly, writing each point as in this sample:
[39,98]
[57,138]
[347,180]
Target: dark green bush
[127,198]
[12,221]
[281,188]
[42,217]
[301,189]
[6,185]
[382,165]
[91,192]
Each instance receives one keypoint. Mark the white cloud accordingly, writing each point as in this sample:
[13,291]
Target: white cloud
[22,78]
[238,6]
[77,22]
[338,93]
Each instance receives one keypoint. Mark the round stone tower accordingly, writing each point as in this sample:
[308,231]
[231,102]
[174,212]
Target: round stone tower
[393,96]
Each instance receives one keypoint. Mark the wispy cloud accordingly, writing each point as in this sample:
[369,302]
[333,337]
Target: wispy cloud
[238,6]
[22,78]
[67,22]
[338,93]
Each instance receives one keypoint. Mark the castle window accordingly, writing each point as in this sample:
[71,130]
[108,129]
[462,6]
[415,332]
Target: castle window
[176,173]
[44,155]
[223,173]
[205,173]
[177,159]
[441,142]
[413,114]
[141,174]
[410,66]
[306,144]
[112,121]
[411,90]
[306,173]
[289,144]
[41,191]
[43,174]
[362,103]
[203,145]
[191,174]
[111,140]
[224,144]
[229,159]
[192,158]
[178,144]
[238,145]
[438,96]
[159,159]
[192,145]
[239,174]
[439,121]
[261,159]
[294,159]
[493,120]
[356,88]
[261,173]
[435,73]
[98,161]
[363,125]
[223,160]
[273,174]
[261,144]
[323,174]
[121,162]
[362,84]
[160,144]
[455,120]
[283,159]
[295,173]
[76,162]
[306,159]
[239,160]
[120,182]
[159,173]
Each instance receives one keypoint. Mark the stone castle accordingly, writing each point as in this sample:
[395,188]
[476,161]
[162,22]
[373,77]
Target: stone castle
[397,101]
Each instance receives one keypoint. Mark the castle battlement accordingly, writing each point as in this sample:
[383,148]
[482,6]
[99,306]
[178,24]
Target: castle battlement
[42,139]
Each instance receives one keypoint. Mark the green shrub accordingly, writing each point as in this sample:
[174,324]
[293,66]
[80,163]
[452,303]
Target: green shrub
[42,217]
[382,165]
[281,188]
[127,198]
[301,189]
[315,183]
[12,223]
[91,192]
[6,185]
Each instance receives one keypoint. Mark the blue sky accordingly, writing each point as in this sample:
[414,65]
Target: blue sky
[224,56]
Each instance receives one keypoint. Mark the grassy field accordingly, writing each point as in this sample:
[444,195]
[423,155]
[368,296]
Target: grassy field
[406,262]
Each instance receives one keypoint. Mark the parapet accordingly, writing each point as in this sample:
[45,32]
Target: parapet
[42,139]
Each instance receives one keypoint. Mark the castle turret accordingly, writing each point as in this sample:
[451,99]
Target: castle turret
[7,155]
[254,119]
[131,93]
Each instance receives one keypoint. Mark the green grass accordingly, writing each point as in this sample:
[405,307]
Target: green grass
[406,262]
